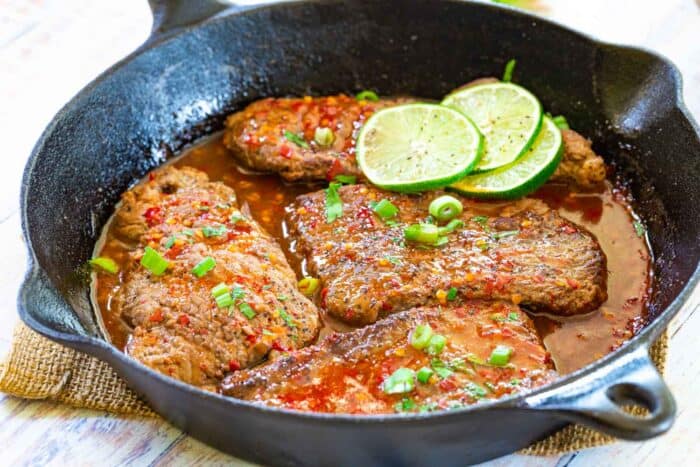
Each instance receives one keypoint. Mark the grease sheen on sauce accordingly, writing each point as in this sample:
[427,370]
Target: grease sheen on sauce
[573,342]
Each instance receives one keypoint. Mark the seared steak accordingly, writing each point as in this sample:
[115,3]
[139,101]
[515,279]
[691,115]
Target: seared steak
[348,372]
[520,251]
[579,164]
[178,328]
[256,135]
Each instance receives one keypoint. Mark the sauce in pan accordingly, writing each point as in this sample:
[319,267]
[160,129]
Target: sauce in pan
[573,342]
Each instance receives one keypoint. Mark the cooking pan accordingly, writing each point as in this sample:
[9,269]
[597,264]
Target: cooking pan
[205,59]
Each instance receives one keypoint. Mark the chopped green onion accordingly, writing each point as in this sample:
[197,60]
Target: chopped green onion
[445,208]
[441,368]
[513,316]
[404,405]
[420,337]
[204,266]
[324,136]
[508,72]
[224,300]
[385,209]
[500,356]
[450,227]
[475,391]
[334,205]
[171,241]
[424,374]
[287,319]
[296,139]
[153,261]
[219,289]
[236,218]
[639,228]
[106,264]
[452,293]
[237,293]
[504,234]
[441,241]
[560,122]
[282,298]
[345,179]
[247,310]
[210,231]
[421,233]
[515,382]
[367,95]
[482,221]
[436,344]
[400,381]
[308,286]
[429,407]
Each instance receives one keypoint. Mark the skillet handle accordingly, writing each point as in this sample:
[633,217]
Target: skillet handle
[596,399]
[170,15]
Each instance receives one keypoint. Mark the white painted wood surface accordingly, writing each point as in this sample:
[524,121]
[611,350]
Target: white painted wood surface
[49,49]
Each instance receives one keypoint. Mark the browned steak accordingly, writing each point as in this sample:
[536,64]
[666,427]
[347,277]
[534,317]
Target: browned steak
[178,328]
[579,165]
[520,251]
[256,135]
[348,372]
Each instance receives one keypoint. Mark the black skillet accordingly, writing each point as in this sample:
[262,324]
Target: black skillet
[204,60]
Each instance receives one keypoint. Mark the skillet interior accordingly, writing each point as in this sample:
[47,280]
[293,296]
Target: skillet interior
[165,97]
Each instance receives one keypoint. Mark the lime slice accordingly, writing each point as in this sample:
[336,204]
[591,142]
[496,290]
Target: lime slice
[508,116]
[417,147]
[522,176]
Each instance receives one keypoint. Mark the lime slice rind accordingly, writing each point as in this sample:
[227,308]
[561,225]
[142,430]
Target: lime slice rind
[415,147]
[522,176]
[508,116]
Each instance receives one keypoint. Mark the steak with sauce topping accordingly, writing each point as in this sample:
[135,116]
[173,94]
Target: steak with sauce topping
[345,372]
[256,135]
[520,251]
[178,328]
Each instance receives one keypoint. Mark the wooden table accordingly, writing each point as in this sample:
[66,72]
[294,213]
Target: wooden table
[49,49]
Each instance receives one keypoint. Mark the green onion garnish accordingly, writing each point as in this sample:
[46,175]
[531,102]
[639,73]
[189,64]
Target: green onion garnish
[153,261]
[367,95]
[452,294]
[237,293]
[441,369]
[424,374]
[515,382]
[219,289]
[296,139]
[508,72]
[334,205]
[639,228]
[404,405]
[170,242]
[204,266]
[450,227]
[400,381]
[436,344]
[247,310]
[209,231]
[474,390]
[500,356]
[504,234]
[287,319]
[513,316]
[420,337]
[324,137]
[224,300]
[345,179]
[236,218]
[421,233]
[308,286]
[385,209]
[560,122]
[106,264]
[445,208]
[482,221]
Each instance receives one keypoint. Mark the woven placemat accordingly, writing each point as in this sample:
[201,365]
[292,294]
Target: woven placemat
[37,368]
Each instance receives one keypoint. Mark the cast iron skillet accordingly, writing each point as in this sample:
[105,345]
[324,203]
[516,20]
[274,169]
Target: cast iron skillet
[205,59]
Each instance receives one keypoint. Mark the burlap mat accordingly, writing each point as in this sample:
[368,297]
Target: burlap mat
[37,368]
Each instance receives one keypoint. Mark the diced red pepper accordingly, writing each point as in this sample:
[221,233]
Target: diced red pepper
[152,216]
[156,317]
[334,170]
[286,151]
[277,346]
[233,365]
[184,320]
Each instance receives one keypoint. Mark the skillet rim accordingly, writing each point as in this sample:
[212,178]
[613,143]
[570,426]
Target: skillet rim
[96,346]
